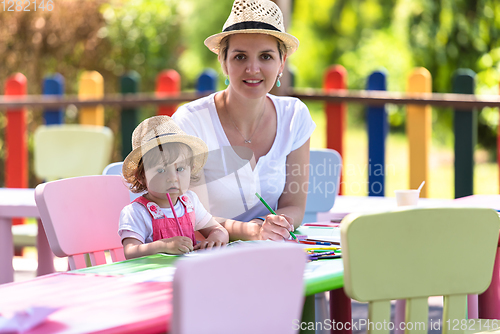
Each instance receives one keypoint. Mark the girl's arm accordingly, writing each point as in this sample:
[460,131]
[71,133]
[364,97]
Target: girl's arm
[215,234]
[133,248]
[291,204]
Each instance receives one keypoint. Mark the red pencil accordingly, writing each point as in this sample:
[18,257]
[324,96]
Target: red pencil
[175,215]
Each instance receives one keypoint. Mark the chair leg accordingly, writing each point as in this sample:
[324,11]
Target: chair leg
[472,307]
[6,251]
[399,316]
[45,255]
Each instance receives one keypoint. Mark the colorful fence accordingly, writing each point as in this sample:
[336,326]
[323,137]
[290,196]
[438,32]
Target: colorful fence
[168,86]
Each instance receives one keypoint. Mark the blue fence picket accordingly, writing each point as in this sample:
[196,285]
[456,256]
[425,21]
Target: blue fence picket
[53,85]
[207,81]
[377,127]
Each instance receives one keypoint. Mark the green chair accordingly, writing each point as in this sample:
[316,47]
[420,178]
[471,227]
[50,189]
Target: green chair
[71,150]
[416,253]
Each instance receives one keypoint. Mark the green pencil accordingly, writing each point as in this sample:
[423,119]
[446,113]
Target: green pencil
[272,211]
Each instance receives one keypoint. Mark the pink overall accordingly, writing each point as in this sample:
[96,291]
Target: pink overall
[164,227]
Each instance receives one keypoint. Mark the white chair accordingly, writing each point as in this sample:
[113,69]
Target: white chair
[325,167]
[71,150]
[241,289]
[115,168]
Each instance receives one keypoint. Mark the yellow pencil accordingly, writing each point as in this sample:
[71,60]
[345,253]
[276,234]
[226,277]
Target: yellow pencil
[322,248]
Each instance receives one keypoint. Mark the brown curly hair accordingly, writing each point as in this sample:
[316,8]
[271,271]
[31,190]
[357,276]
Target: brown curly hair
[166,155]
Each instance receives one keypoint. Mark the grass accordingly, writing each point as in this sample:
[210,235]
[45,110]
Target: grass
[441,179]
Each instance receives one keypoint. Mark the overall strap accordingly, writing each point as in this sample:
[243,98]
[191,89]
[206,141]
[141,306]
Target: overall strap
[153,208]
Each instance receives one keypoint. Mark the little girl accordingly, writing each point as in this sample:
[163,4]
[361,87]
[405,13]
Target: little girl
[164,160]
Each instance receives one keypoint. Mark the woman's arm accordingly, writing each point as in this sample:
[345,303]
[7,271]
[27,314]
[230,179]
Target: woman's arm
[133,248]
[291,204]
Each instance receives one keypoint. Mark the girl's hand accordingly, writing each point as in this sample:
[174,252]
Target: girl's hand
[276,228]
[177,245]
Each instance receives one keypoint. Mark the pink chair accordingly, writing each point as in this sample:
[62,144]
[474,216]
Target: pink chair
[80,215]
[256,288]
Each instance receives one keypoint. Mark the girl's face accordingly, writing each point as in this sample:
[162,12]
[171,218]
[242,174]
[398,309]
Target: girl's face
[253,64]
[173,178]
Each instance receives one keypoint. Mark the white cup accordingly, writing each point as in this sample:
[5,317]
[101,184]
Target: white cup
[407,197]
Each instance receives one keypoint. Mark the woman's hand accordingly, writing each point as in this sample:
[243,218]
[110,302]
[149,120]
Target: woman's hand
[176,245]
[206,244]
[276,227]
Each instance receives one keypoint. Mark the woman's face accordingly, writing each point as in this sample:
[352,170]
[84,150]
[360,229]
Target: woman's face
[253,64]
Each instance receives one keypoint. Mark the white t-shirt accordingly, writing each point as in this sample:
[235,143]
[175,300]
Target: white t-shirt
[231,182]
[136,221]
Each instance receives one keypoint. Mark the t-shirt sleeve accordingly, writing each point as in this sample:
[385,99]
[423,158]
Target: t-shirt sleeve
[202,215]
[132,219]
[302,125]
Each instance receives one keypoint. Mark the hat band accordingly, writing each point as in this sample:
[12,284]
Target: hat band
[250,25]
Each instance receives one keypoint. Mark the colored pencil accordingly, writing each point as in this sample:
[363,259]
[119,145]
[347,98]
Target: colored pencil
[309,242]
[274,213]
[327,242]
[175,215]
[323,248]
[328,257]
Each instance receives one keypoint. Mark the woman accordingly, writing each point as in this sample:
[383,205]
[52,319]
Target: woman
[258,142]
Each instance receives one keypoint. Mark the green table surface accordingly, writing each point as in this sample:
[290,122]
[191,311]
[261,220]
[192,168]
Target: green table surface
[319,276]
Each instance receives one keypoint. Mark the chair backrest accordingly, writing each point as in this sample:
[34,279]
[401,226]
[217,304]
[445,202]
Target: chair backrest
[324,181]
[251,289]
[416,253]
[80,215]
[115,168]
[70,150]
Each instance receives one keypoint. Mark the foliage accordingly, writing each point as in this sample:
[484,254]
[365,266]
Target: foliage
[43,42]
[113,36]
[203,19]
[143,35]
[108,36]
[363,35]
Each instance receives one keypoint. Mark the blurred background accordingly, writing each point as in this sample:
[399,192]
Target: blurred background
[148,36]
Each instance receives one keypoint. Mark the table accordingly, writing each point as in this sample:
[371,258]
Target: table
[14,203]
[90,303]
[132,296]
[319,276]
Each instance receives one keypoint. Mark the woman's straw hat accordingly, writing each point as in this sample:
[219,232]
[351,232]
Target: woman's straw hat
[254,17]
[159,130]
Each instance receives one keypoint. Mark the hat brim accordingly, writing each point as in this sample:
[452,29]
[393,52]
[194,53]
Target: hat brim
[291,42]
[198,146]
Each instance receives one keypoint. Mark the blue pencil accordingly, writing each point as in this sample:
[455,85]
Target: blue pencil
[327,257]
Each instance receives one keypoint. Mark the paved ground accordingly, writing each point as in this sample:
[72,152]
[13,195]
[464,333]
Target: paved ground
[25,269]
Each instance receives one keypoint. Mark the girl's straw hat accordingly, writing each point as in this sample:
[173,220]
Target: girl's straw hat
[159,130]
[254,17]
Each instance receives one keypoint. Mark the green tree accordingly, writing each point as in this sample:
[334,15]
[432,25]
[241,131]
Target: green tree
[363,35]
